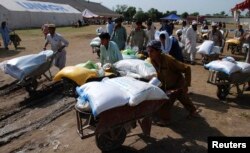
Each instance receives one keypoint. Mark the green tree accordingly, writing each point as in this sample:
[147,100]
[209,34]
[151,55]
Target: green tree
[140,15]
[222,13]
[129,13]
[184,15]
[195,14]
[173,12]
[120,9]
[154,14]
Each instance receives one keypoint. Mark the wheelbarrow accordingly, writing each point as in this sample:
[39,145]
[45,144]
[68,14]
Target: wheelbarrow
[225,82]
[111,126]
[28,69]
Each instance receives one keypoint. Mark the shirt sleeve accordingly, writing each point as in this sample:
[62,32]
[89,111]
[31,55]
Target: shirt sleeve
[64,41]
[117,52]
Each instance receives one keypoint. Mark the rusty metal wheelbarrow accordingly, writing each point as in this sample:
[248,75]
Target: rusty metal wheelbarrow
[111,127]
[225,82]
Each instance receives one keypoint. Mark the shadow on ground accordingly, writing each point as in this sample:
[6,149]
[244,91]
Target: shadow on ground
[8,53]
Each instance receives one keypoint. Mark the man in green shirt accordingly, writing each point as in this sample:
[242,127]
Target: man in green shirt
[119,35]
[170,73]
[138,37]
[110,52]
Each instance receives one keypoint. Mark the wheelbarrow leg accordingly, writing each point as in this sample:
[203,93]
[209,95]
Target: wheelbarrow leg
[240,91]
[146,124]
[86,129]
[49,78]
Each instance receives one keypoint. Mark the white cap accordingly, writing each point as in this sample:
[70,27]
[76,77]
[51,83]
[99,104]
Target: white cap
[194,22]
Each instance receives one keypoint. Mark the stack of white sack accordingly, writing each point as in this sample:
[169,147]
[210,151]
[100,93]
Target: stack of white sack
[111,93]
[96,42]
[208,48]
[226,65]
[23,66]
[138,91]
[136,67]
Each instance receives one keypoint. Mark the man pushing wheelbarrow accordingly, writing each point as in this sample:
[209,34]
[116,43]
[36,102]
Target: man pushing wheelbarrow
[58,43]
[170,73]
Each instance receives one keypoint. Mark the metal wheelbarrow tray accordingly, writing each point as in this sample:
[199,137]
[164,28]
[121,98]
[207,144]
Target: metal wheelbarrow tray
[110,127]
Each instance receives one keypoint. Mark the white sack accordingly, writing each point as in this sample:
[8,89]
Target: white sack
[21,67]
[144,69]
[47,53]
[223,66]
[95,42]
[102,96]
[245,67]
[138,91]
[206,47]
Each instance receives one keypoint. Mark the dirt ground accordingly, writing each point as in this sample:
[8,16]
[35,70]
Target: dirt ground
[47,123]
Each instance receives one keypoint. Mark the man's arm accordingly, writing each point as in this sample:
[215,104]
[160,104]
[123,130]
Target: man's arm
[46,43]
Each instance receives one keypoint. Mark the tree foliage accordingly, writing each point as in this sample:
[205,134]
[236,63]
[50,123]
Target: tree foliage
[195,14]
[130,12]
[184,15]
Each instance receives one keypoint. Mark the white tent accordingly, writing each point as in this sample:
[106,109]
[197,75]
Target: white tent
[26,14]
[88,14]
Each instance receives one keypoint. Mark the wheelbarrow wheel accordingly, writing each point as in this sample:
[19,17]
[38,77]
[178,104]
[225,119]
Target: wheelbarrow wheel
[111,140]
[69,87]
[222,91]
[31,86]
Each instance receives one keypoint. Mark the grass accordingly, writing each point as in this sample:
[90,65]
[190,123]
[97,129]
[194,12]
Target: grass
[69,31]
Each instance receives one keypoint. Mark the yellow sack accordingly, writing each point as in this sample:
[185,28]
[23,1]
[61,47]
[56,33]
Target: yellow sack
[233,41]
[78,74]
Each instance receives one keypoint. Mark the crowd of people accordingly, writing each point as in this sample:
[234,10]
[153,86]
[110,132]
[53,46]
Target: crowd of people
[169,55]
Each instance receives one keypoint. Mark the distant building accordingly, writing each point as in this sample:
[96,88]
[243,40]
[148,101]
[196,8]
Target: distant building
[27,14]
[81,5]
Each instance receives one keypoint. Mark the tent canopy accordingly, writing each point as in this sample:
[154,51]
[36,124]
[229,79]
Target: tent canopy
[242,6]
[171,17]
[88,14]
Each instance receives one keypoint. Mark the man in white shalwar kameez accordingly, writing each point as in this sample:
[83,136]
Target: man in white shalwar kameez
[190,43]
[184,32]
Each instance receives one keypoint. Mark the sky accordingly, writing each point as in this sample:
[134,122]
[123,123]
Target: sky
[181,6]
